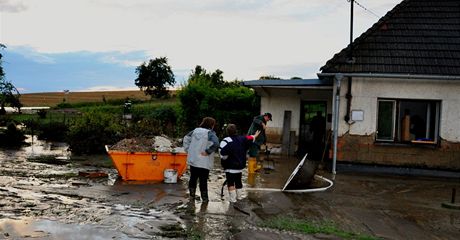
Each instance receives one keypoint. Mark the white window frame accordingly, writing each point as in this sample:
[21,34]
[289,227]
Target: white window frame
[395,118]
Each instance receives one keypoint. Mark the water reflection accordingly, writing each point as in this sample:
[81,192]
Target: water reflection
[39,148]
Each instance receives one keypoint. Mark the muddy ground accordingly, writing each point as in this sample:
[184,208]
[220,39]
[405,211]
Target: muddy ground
[54,200]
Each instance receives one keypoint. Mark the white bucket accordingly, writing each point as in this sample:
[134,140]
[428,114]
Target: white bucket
[170,176]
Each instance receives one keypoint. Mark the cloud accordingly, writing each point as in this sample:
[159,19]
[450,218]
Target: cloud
[31,54]
[130,59]
[107,88]
[12,6]
[73,71]
[244,39]
[304,70]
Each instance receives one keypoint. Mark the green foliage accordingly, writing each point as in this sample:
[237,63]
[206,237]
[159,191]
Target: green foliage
[154,76]
[215,79]
[159,120]
[197,100]
[11,136]
[42,113]
[109,109]
[56,131]
[111,102]
[2,73]
[5,119]
[167,117]
[9,95]
[64,105]
[205,95]
[92,131]
[155,120]
[309,227]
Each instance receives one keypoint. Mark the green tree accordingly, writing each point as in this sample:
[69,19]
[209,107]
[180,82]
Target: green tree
[215,79]
[207,94]
[154,77]
[9,95]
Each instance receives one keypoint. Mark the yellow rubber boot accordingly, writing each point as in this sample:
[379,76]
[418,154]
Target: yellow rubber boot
[258,166]
[252,165]
[251,179]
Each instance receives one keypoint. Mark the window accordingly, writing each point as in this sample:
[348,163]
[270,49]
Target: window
[415,121]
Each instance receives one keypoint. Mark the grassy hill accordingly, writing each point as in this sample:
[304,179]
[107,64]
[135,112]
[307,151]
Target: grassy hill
[51,99]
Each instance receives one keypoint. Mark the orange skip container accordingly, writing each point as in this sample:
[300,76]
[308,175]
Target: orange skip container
[147,166]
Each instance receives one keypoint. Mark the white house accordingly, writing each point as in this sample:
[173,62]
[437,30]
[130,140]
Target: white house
[396,89]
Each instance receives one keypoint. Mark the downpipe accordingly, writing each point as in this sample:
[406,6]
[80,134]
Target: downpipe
[338,79]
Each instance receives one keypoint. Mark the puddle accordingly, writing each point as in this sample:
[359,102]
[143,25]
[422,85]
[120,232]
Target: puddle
[46,229]
[51,201]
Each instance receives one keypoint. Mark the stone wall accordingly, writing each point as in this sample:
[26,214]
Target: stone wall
[363,149]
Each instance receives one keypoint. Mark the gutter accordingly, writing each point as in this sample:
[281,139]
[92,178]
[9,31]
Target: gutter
[389,75]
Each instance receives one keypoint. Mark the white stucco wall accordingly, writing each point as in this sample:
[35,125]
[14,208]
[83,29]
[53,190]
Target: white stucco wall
[278,100]
[366,92]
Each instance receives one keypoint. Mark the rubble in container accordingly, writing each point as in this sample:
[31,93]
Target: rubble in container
[142,144]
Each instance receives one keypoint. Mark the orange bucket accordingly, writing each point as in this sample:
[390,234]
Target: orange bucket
[147,166]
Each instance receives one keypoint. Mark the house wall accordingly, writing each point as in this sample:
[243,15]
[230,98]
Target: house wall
[278,100]
[356,140]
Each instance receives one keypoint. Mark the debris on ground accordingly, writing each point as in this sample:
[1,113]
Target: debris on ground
[143,144]
[92,174]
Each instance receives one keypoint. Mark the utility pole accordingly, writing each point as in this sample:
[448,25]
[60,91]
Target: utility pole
[350,56]
[352,2]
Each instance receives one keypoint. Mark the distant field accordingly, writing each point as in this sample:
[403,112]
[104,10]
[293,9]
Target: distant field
[51,99]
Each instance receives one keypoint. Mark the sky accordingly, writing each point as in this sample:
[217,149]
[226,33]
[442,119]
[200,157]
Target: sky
[96,45]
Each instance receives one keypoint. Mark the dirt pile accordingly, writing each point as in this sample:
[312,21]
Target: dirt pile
[143,144]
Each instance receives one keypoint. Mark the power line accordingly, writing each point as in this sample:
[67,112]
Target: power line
[365,9]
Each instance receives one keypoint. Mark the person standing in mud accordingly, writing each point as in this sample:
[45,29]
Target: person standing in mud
[233,151]
[200,145]
[259,123]
[318,129]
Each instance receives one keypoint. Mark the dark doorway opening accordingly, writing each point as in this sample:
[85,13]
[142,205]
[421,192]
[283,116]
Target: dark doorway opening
[312,136]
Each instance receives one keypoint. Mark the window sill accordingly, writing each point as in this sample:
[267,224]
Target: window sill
[413,143]
[422,142]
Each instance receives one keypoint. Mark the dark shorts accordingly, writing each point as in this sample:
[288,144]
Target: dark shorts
[234,179]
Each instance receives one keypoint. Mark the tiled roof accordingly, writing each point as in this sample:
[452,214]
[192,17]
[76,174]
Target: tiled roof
[416,37]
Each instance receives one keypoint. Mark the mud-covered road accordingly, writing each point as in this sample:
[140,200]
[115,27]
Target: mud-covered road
[54,200]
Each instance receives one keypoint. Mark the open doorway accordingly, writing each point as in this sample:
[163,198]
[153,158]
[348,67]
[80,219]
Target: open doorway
[312,129]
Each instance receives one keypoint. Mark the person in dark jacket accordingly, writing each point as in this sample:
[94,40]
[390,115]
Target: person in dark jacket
[233,151]
[259,123]
[200,145]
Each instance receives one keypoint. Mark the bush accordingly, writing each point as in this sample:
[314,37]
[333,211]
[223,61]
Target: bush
[167,118]
[55,131]
[92,131]
[11,136]
[230,103]
[42,113]
[53,127]
[154,120]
